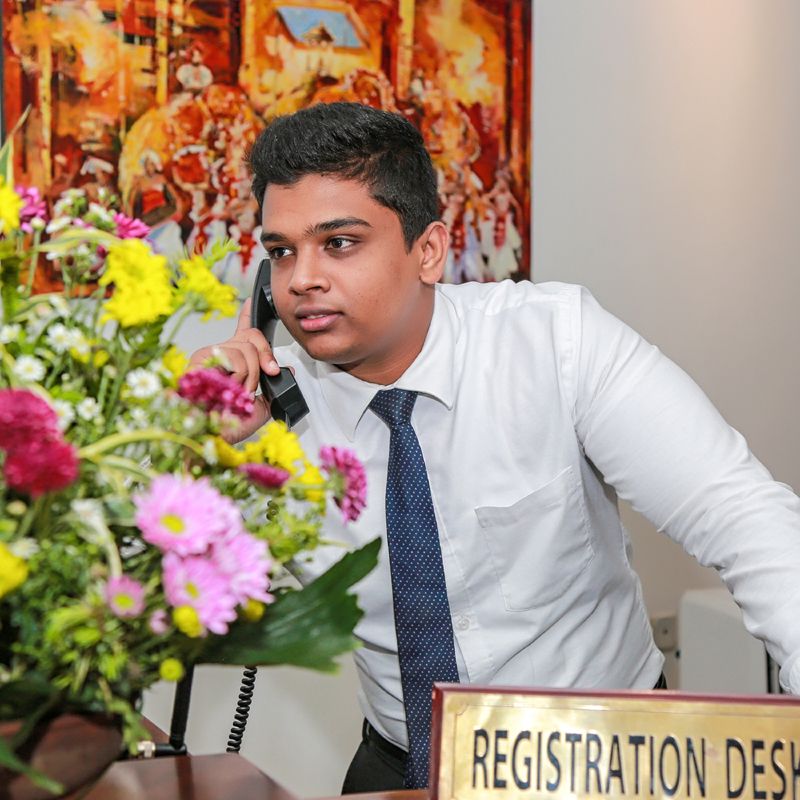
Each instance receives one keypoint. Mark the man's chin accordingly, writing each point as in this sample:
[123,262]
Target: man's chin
[335,356]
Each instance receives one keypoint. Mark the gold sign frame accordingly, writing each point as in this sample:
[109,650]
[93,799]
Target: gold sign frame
[498,742]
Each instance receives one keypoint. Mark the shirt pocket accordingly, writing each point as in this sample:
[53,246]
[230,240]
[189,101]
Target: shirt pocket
[539,545]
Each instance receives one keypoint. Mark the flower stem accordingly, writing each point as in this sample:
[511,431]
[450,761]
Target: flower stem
[91,451]
[34,261]
[181,319]
[30,515]
[125,465]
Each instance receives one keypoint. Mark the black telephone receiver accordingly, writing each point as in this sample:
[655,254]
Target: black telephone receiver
[285,400]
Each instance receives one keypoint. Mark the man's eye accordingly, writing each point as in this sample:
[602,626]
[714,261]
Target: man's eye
[340,243]
[277,253]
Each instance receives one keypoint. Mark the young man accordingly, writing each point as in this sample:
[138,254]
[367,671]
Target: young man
[498,424]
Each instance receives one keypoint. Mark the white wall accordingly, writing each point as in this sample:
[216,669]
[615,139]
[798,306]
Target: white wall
[667,180]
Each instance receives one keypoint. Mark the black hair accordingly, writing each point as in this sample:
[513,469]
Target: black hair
[354,142]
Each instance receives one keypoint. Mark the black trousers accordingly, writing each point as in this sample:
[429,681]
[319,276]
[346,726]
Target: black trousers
[379,765]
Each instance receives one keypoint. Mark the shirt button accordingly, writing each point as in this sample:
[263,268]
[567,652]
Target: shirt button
[462,622]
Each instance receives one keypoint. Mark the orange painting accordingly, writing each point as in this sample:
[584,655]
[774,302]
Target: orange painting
[149,106]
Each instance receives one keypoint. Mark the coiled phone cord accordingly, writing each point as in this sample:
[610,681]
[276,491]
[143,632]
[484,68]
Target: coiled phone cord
[242,709]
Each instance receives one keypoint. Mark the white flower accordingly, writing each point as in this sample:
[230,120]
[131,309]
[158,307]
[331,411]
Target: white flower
[88,409]
[59,304]
[143,383]
[59,337]
[24,548]
[102,213]
[8,333]
[90,514]
[65,413]
[210,452]
[78,342]
[57,224]
[37,223]
[28,368]
[139,417]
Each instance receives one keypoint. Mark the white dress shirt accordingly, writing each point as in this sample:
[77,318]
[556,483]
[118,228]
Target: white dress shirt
[536,409]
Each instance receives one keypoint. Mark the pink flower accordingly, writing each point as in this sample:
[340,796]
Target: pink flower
[25,417]
[158,622]
[33,207]
[215,391]
[129,228]
[350,479]
[196,581]
[42,465]
[183,515]
[125,596]
[245,561]
[265,475]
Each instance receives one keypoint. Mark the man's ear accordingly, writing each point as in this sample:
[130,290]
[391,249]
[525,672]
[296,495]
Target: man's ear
[434,242]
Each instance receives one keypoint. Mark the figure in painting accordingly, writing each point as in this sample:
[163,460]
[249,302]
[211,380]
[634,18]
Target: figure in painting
[154,200]
[194,75]
[503,243]
[100,186]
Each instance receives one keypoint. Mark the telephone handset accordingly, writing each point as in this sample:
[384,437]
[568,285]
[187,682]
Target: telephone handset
[285,400]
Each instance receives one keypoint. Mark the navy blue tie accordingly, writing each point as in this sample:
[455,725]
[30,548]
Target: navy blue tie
[421,611]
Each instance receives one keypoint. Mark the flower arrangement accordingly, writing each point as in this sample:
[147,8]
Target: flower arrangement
[135,541]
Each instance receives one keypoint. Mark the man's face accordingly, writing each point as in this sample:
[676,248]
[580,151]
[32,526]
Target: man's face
[342,281]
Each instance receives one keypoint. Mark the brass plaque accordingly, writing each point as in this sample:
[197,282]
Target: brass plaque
[511,744]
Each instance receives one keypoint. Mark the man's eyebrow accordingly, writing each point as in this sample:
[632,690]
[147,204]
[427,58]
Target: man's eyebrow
[319,227]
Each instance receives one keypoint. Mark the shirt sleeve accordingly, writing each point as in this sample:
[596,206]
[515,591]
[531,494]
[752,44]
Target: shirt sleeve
[659,441]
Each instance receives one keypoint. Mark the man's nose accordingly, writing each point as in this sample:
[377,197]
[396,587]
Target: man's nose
[308,273]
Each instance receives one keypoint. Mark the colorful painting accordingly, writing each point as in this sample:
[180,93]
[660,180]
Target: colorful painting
[149,106]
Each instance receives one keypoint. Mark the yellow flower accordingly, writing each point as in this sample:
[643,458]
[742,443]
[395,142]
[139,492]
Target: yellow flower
[142,288]
[13,571]
[187,621]
[277,446]
[228,456]
[171,669]
[198,286]
[10,206]
[175,362]
[312,477]
[253,610]
[100,358]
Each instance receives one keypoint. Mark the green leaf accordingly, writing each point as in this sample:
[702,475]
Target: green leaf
[7,150]
[21,697]
[9,760]
[307,628]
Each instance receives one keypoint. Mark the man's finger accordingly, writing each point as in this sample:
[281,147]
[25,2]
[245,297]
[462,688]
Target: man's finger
[245,322]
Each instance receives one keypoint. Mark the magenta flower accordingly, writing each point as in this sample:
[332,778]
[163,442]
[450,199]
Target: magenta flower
[215,391]
[265,475]
[182,515]
[158,622]
[245,561]
[42,465]
[196,581]
[25,417]
[129,228]
[125,596]
[33,207]
[350,480]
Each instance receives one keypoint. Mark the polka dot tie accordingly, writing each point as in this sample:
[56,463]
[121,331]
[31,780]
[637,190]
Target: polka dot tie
[421,610]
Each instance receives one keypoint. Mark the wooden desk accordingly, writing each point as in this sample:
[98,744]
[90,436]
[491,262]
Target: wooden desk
[217,777]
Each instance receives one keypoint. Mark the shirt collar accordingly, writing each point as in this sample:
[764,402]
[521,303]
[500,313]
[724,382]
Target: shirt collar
[432,373]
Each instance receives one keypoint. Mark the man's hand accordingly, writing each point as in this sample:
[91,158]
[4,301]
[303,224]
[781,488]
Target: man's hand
[247,352]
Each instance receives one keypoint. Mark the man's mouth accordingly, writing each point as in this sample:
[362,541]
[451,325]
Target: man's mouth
[317,320]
